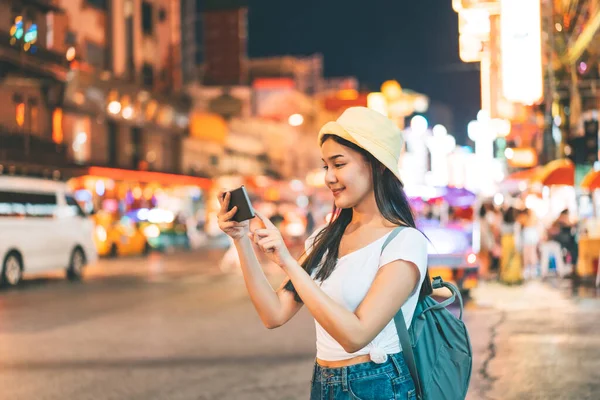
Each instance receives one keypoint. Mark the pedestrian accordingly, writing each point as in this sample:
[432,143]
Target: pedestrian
[352,289]
[511,262]
[530,236]
[564,232]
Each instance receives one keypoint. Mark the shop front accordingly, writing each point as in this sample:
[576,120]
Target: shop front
[589,241]
[137,210]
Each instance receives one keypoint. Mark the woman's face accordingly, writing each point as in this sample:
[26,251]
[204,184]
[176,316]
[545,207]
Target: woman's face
[347,174]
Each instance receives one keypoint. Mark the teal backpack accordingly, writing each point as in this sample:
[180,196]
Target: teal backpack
[436,348]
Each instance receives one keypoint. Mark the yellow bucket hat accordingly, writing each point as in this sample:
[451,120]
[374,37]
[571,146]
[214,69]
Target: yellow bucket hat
[371,131]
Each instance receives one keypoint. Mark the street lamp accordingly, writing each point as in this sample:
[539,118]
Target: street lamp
[296,120]
[419,124]
[481,133]
[440,145]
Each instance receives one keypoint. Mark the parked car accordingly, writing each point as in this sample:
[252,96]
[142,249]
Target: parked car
[42,228]
[119,237]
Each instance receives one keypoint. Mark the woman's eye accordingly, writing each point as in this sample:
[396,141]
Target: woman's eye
[339,165]
[324,167]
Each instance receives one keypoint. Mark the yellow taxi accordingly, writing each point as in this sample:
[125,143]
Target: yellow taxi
[119,237]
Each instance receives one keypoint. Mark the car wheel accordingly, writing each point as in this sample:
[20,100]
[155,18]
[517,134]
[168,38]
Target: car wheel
[12,270]
[114,251]
[75,270]
[147,249]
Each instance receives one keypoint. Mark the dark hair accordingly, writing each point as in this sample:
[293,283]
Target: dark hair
[510,215]
[391,202]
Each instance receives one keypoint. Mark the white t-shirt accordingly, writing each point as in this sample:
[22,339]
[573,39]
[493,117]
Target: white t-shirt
[352,278]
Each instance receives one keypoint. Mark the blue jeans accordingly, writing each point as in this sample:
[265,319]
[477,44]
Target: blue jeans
[367,381]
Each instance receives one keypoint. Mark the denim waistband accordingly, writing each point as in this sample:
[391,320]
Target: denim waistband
[394,364]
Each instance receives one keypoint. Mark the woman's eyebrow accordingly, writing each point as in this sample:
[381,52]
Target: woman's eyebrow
[333,157]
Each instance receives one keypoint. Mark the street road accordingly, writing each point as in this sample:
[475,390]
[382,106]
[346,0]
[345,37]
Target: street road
[176,327]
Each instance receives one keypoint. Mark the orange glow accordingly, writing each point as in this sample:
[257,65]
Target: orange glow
[20,114]
[273,83]
[523,158]
[272,194]
[591,181]
[34,118]
[347,94]
[57,131]
[148,176]
[211,127]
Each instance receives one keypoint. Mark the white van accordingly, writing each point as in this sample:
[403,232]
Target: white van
[42,228]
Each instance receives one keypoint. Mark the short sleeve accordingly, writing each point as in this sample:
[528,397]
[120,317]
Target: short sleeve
[409,245]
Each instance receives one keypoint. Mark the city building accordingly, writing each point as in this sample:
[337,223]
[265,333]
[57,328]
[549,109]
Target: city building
[124,94]
[249,117]
[224,27]
[191,40]
[305,72]
[33,78]
[124,114]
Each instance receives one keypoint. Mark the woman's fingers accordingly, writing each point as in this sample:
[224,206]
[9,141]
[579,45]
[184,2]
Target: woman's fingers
[268,244]
[224,200]
[230,225]
[229,214]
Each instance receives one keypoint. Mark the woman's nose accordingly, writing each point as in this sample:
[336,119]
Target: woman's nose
[330,176]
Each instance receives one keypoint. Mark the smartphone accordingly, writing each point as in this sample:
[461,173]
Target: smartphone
[239,197]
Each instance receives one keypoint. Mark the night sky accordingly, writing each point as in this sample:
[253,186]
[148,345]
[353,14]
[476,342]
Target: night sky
[412,41]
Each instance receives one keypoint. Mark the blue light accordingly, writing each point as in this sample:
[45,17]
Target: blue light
[31,35]
[19,28]
[100,189]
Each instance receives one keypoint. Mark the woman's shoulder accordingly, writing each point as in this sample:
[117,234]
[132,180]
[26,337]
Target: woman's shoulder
[406,230]
[410,244]
[409,236]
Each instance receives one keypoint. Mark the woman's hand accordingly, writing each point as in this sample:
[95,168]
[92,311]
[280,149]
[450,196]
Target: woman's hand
[235,230]
[270,242]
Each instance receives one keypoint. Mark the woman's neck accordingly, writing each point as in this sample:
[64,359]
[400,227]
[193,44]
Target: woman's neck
[367,213]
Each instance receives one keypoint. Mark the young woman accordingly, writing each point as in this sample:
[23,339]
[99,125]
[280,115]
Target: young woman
[352,288]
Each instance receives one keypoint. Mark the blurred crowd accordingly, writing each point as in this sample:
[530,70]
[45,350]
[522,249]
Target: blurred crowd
[516,246]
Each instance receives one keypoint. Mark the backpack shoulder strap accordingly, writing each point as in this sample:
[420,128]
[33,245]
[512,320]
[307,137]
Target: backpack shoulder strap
[391,237]
[407,351]
[405,342]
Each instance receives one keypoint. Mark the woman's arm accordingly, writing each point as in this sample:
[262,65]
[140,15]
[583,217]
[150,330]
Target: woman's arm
[394,283]
[274,308]
[391,288]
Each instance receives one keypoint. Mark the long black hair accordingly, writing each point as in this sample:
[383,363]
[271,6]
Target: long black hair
[391,202]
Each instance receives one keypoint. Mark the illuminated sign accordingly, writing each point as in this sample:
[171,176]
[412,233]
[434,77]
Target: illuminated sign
[520,40]
[524,157]
[377,101]
[474,30]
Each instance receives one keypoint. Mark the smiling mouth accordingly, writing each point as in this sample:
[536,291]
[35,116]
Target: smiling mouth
[337,191]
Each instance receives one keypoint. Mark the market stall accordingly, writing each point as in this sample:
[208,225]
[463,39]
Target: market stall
[589,241]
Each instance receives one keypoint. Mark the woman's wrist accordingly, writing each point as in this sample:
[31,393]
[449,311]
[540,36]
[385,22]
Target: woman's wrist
[241,239]
[290,264]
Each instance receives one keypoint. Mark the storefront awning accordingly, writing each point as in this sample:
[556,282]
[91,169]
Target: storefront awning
[557,172]
[591,181]
[149,177]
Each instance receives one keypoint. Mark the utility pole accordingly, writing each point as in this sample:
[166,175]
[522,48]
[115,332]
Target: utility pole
[549,152]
